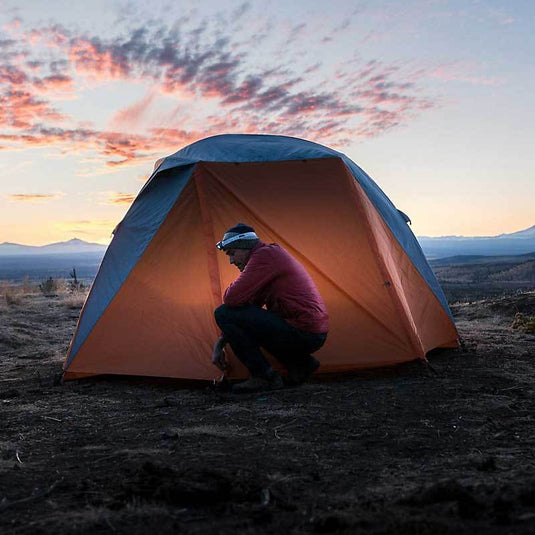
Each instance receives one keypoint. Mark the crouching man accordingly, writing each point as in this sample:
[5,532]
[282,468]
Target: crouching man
[292,325]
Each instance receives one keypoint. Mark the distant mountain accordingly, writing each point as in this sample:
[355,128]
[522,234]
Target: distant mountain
[516,243]
[74,246]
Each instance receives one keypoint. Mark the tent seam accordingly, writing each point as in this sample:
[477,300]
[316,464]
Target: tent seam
[296,251]
[391,289]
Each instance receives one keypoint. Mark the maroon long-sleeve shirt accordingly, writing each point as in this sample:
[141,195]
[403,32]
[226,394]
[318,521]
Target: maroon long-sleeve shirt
[272,277]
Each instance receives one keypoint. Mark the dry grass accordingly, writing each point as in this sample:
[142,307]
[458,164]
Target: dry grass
[74,300]
[28,286]
[12,294]
[18,294]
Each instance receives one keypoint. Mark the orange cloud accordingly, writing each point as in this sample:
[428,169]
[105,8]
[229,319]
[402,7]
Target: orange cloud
[21,109]
[96,229]
[115,197]
[34,197]
[94,60]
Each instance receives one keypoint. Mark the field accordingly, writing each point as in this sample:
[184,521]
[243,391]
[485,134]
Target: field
[478,277]
[444,448]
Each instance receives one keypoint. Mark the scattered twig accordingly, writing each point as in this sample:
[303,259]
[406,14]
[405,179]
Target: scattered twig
[282,426]
[51,418]
[516,387]
[286,424]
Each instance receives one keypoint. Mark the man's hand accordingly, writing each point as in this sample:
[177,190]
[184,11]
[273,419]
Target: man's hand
[218,354]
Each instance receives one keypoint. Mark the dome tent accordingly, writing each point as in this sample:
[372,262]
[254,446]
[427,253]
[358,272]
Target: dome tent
[150,308]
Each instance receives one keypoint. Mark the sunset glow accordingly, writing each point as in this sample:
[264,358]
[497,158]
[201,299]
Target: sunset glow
[431,98]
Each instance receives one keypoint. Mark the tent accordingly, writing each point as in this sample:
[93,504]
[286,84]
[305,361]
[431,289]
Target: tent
[150,308]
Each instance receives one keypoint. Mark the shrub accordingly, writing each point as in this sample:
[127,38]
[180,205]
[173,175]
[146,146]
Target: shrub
[74,284]
[524,323]
[49,287]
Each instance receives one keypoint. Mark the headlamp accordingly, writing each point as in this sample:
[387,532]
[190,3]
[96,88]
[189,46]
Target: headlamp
[243,236]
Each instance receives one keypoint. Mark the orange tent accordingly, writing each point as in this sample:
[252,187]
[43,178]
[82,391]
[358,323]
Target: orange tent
[150,309]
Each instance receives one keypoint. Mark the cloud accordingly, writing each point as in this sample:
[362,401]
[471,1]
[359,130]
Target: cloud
[96,59]
[53,83]
[99,229]
[241,10]
[131,116]
[34,197]
[206,70]
[21,109]
[117,198]
[12,75]
[295,32]
[462,72]
[246,91]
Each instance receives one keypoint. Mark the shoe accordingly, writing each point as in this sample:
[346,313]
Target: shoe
[259,384]
[299,374]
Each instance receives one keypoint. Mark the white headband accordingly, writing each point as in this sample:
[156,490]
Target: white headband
[243,236]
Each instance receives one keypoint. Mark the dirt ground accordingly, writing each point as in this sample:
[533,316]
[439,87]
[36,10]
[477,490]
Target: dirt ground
[446,448]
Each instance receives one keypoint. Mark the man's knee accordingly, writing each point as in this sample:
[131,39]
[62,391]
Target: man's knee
[224,314]
[221,314]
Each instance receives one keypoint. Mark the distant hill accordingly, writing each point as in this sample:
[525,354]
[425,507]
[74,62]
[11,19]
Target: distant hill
[481,259]
[70,247]
[42,266]
[523,271]
[516,243]
[520,272]
[55,260]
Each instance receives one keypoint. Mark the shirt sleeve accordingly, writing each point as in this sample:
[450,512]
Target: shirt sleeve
[248,288]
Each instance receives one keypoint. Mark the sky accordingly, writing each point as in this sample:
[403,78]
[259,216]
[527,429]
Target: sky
[432,98]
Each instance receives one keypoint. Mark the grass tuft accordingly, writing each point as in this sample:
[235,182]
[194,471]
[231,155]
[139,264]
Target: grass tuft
[524,323]
[74,300]
[12,294]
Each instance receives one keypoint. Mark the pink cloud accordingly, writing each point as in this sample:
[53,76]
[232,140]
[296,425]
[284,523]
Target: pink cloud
[54,36]
[360,99]
[130,117]
[12,75]
[54,82]
[21,110]
[462,72]
[93,59]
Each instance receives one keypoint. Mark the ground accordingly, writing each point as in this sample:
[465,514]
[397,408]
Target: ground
[445,448]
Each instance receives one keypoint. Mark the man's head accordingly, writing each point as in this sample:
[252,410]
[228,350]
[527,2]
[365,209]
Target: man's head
[237,244]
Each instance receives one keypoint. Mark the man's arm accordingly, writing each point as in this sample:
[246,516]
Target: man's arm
[248,287]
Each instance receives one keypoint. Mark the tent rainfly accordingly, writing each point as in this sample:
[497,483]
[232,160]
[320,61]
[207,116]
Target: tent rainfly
[150,309]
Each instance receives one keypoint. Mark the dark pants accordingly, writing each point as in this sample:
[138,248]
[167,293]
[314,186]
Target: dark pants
[249,328]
